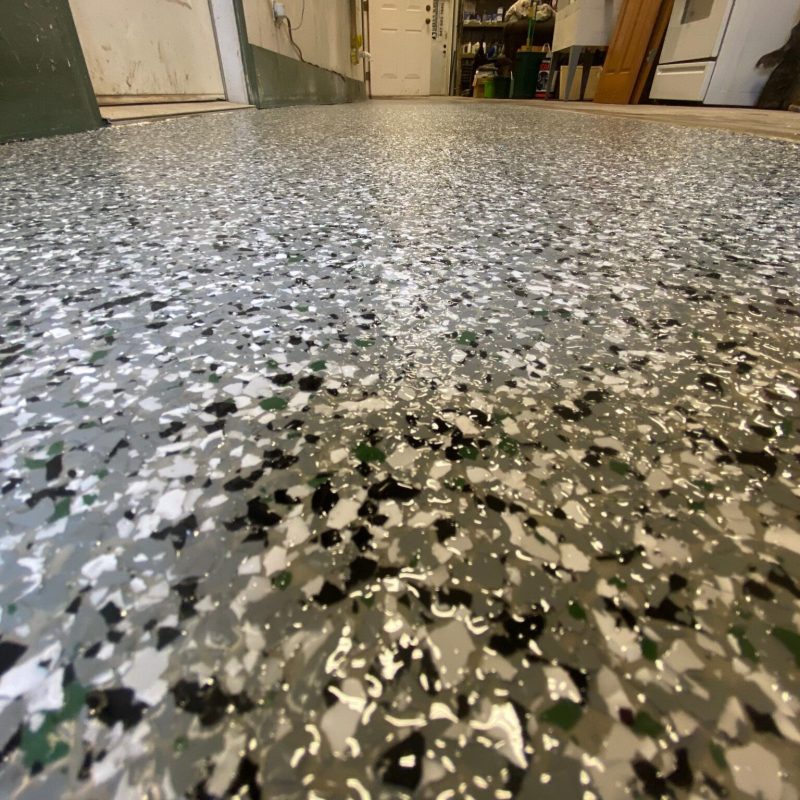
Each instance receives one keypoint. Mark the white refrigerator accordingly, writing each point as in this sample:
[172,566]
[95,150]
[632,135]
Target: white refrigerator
[712,47]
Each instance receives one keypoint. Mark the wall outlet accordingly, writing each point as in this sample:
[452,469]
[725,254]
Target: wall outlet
[278,9]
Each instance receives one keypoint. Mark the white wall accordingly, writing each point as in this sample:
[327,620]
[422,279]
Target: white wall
[149,47]
[323,36]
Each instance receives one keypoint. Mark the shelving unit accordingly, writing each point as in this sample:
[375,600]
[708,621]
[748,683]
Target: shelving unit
[471,31]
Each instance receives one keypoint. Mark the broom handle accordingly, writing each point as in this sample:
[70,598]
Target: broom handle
[532,24]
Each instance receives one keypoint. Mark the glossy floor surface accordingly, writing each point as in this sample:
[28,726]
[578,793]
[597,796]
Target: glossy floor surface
[400,450]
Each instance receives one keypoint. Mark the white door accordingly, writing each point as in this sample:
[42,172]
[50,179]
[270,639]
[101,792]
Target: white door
[400,47]
[149,50]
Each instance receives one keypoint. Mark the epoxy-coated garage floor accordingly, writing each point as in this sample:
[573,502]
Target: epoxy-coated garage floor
[400,450]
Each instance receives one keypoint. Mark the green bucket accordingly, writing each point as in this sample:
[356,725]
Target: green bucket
[488,88]
[526,74]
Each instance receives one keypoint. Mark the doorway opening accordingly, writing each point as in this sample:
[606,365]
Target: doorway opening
[154,59]
[411,46]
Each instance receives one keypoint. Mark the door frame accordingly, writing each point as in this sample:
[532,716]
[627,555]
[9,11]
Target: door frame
[365,33]
[229,50]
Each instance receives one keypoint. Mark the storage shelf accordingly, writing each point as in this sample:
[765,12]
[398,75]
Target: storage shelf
[474,24]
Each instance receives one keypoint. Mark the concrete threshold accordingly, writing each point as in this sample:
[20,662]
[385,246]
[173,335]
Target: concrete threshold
[121,115]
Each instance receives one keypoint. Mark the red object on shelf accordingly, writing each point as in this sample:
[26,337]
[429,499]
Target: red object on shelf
[544,78]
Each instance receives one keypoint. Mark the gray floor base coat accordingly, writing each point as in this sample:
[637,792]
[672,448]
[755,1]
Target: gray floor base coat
[398,450]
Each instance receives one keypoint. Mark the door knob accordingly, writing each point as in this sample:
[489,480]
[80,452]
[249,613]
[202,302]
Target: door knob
[427,8]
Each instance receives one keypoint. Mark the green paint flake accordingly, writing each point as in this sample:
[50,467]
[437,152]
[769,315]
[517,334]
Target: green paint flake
[42,746]
[619,583]
[649,649]
[318,366]
[98,355]
[55,449]
[704,485]
[12,608]
[282,580]
[102,473]
[180,744]
[366,453]
[576,610]
[36,463]
[61,510]
[213,378]
[645,725]
[787,426]
[74,699]
[273,404]
[697,505]
[620,467]
[565,714]
[272,363]
[368,600]
[467,451]
[89,499]
[745,647]
[468,338]
[508,446]
[365,342]
[317,481]
[790,640]
[718,754]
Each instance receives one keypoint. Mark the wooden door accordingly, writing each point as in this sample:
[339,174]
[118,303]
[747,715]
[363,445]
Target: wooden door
[627,51]
[400,47]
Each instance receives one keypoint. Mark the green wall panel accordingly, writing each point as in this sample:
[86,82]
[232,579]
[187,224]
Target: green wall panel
[44,85]
[283,81]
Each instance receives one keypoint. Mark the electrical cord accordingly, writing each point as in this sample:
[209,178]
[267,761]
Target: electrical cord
[302,17]
[291,39]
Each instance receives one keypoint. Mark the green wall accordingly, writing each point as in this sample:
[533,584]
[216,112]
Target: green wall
[44,85]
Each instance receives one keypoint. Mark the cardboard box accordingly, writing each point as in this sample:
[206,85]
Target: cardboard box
[575,94]
[591,83]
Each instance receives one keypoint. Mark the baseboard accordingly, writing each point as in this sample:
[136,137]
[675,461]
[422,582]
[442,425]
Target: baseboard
[283,81]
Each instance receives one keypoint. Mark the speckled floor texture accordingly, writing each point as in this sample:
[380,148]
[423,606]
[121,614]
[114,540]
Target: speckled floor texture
[400,450]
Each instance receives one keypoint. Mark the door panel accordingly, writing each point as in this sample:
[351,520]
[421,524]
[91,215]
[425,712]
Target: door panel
[149,48]
[400,47]
[696,30]
[627,51]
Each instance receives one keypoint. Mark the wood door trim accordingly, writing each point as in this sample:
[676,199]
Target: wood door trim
[653,46]
[627,51]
